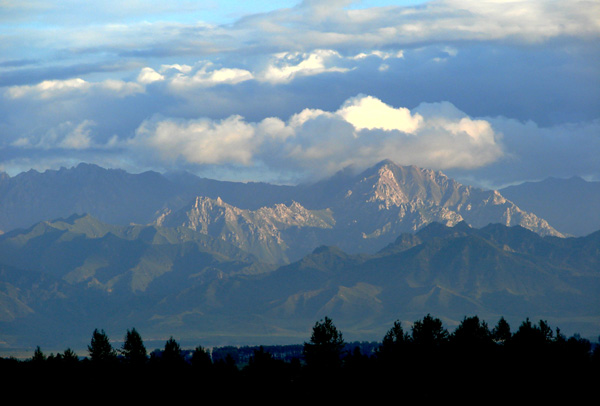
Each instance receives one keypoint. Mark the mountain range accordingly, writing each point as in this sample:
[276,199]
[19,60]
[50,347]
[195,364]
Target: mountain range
[359,212]
[62,279]
[226,262]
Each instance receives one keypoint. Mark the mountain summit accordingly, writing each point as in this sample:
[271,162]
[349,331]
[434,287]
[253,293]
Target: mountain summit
[387,199]
[358,212]
[208,256]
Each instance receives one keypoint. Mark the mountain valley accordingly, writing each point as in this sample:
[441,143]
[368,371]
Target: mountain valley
[206,261]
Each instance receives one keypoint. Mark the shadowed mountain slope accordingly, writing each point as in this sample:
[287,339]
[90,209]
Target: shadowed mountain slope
[66,277]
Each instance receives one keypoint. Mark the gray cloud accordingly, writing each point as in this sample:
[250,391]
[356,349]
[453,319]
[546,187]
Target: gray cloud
[361,132]
[537,152]
[524,73]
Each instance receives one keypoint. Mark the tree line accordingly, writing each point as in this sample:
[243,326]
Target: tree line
[426,358]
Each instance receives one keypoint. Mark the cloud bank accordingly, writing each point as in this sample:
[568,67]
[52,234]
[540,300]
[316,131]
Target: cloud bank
[363,131]
[492,91]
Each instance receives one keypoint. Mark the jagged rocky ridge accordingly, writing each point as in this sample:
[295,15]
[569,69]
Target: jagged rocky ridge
[358,213]
[204,259]
[262,232]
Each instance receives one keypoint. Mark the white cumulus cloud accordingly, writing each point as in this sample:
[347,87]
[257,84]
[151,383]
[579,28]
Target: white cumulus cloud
[50,89]
[67,135]
[149,75]
[201,141]
[285,66]
[207,76]
[362,131]
[367,112]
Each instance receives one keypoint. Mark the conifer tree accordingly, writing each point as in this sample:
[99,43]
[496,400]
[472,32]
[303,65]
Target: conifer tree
[38,355]
[70,357]
[472,333]
[100,349]
[133,350]
[325,347]
[501,333]
[429,332]
[393,342]
[172,354]
[201,359]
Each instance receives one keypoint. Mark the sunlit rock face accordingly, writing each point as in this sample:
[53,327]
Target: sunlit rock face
[359,214]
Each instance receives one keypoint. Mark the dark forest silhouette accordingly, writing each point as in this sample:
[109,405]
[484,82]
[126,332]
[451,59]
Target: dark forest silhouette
[425,360]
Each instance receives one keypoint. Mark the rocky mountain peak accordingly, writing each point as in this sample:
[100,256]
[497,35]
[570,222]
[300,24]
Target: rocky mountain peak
[360,212]
[204,203]
[393,199]
[386,188]
[390,185]
[261,232]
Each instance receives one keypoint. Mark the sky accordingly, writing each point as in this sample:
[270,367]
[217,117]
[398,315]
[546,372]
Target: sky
[490,92]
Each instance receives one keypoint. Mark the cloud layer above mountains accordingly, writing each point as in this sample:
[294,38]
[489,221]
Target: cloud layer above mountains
[362,131]
[497,92]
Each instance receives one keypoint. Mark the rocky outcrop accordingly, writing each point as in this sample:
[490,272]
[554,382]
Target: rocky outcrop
[261,232]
